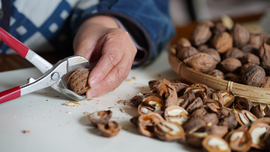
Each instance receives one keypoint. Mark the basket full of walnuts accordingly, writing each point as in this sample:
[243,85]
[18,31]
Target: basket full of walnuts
[234,59]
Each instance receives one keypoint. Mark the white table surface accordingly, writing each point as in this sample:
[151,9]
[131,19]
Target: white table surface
[55,128]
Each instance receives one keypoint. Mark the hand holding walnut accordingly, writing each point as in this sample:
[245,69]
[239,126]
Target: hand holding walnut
[100,39]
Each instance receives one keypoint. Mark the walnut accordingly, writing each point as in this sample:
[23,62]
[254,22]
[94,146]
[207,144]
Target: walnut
[256,40]
[254,76]
[266,83]
[233,77]
[265,64]
[245,66]
[240,35]
[182,42]
[222,42]
[230,65]
[219,28]
[234,53]
[202,62]
[216,73]
[78,81]
[264,52]
[186,52]
[200,34]
[214,53]
[250,58]
[202,47]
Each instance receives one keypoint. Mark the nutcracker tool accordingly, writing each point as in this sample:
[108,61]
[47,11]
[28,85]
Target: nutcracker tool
[53,75]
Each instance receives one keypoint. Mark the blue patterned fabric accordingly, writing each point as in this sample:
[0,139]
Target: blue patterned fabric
[51,24]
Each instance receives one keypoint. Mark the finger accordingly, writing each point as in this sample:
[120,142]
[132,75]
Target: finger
[114,78]
[112,53]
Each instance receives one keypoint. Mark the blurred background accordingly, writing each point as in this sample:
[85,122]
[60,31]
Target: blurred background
[251,13]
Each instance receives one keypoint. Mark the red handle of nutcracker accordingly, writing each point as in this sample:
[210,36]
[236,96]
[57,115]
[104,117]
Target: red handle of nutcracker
[12,42]
[10,94]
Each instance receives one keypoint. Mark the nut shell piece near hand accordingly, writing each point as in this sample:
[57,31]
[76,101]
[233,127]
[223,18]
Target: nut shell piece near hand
[109,129]
[78,81]
[214,143]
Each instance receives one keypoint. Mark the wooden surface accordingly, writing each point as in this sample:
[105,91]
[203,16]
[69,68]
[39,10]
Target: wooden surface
[13,62]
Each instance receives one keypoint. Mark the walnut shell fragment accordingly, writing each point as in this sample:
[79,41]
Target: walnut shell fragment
[243,103]
[146,123]
[176,114]
[214,143]
[168,92]
[151,103]
[109,129]
[100,117]
[259,133]
[169,131]
[245,117]
[239,140]
[202,62]
[78,81]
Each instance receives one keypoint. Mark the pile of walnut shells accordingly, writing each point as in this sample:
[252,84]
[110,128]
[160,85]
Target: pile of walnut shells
[201,117]
[232,54]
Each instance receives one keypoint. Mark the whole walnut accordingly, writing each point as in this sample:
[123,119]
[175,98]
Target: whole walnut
[219,28]
[248,48]
[78,81]
[222,42]
[265,64]
[264,52]
[182,42]
[202,47]
[214,53]
[233,53]
[266,83]
[245,66]
[254,76]
[230,65]
[250,58]
[256,40]
[240,35]
[186,52]
[200,35]
[202,62]
[233,77]
[216,73]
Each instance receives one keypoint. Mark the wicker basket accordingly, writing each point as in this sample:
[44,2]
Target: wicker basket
[254,94]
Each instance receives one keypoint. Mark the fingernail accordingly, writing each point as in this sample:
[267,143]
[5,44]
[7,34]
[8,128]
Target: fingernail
[94,82]
[91,93]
